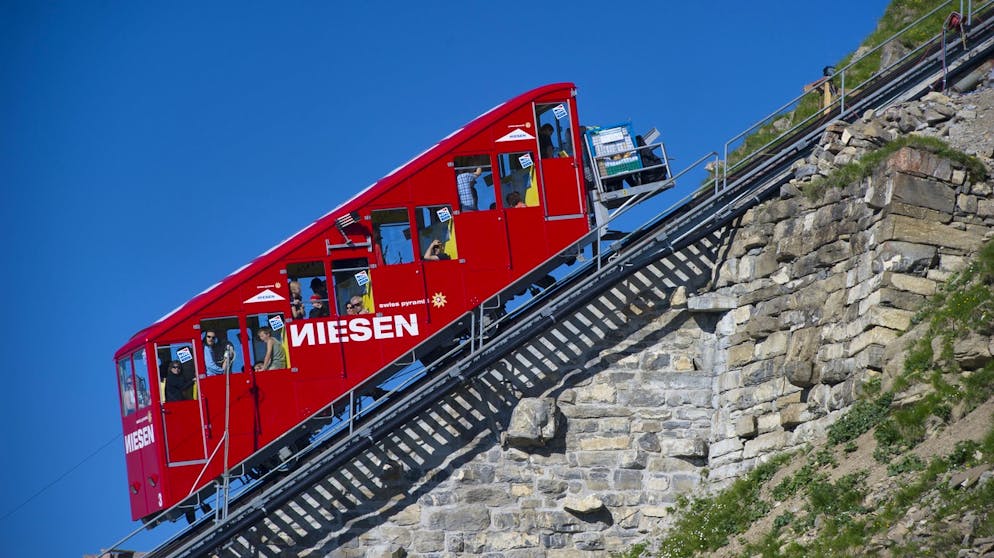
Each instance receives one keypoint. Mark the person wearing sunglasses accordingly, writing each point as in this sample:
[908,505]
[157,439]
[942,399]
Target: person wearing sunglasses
[354,306]
[215,355]
[177,385]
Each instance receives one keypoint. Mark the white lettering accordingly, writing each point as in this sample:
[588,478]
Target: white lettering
[360,329]
[383,327]
[355,329]
[139,439]
[410,326]
[301,334]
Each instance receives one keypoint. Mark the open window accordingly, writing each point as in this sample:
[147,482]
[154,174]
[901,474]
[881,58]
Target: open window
[222,345]
[392,228]
[353,286]
[177,372]
[518,181]
[474,182]
[268,349]
[554,134]
[436,233]
[308,289]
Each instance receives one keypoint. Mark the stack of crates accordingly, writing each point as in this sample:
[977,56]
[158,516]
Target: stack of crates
[614,149]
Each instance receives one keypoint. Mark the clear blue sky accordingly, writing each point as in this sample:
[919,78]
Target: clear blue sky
[147,150]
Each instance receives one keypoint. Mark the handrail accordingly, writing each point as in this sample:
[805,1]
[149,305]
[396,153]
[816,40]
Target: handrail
[727,169]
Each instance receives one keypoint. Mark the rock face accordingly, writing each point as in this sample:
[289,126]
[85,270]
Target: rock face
[805,302]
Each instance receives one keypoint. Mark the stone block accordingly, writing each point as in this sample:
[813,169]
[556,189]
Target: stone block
[745,427]
[533,422]
[905,257]
[920,192]
[774,345]
[892,318]
[900,227]
[874,336]
[683,447]
[467,518]
[800,373]
[741,355]
[768,422]
[585,504]
[605,443]
[765,443]
[794,415]
[711,302]
[724,447]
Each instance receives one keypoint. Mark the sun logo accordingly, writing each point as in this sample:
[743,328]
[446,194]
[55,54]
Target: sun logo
[438,300]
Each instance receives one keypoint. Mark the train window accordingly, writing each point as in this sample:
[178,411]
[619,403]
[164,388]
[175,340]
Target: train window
[268,348]
[221,341]
[553,124]
[353,287]
[177,372]
[393,234]
[308,288]
[127,382]
[141,376]
[474,182]
[518,183]
[437,233]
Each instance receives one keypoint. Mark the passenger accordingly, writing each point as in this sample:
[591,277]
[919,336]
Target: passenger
[259,366]
[545,141]
[468,197]
[216,355]
[318,308]
[275,358]
[296,306]
[177,387]
[514,200]
[435,253]
[318,287]
[296,300]
[354,306]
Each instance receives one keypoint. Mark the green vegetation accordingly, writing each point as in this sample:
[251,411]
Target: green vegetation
[706,524]
[863,416]
[856,171]
[833,519]
[899,14]
[817,516]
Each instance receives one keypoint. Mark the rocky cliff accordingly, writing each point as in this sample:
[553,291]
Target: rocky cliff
[688,375]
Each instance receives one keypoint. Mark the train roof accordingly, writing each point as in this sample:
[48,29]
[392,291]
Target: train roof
[446,144]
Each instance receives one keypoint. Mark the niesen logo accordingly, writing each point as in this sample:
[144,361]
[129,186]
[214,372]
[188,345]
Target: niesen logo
[265,296]
[138,439]
[356,329]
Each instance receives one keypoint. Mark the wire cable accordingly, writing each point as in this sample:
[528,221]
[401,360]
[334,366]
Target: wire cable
[60,477]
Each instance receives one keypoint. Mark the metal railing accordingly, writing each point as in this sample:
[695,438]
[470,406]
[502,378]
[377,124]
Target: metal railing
[844,90]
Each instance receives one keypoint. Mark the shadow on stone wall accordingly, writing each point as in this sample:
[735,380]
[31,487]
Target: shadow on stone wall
[390,479]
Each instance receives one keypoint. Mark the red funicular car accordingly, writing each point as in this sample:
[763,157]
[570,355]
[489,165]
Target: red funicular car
[228,377]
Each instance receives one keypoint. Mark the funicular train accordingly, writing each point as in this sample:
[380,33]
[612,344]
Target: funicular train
[226,379]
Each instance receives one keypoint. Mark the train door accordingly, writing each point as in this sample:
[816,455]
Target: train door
[354,303]
[182,419]
[316,365]
[400,284]
[521,198]
[482,227]
[140,444]
[562,187]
